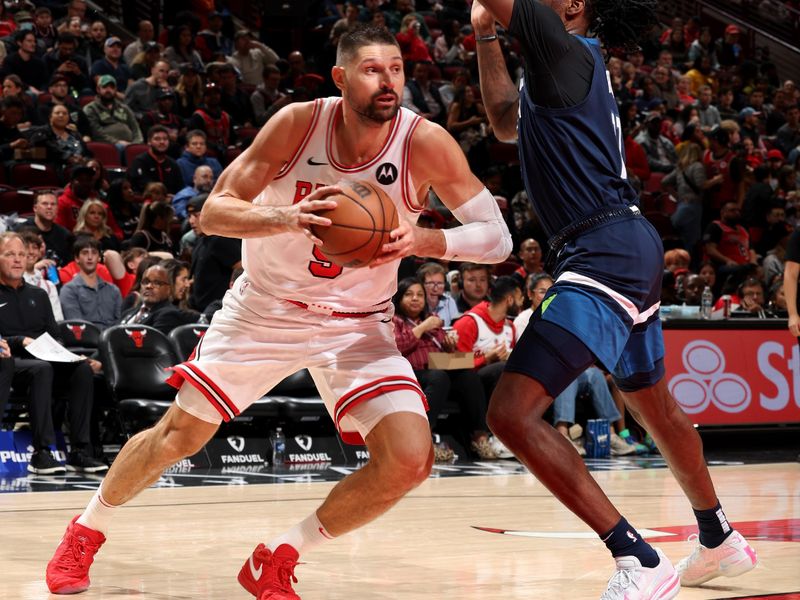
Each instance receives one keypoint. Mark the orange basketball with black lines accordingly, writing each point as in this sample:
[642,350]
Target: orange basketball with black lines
[361,223]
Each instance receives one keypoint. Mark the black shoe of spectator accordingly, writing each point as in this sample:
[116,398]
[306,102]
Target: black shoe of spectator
[83,463]
[43,463]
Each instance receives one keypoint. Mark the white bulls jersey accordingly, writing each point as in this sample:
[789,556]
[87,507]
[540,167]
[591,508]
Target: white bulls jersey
[289,265]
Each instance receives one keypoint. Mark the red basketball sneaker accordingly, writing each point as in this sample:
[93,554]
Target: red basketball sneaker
[269,575]
[68,570]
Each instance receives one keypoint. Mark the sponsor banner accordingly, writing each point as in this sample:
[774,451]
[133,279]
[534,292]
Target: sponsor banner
[16,449]
[307,449]
[235,450]
[726,377]
[355,454]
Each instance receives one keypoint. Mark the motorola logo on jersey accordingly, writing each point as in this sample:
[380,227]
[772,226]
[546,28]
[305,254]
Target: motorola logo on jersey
[386,174]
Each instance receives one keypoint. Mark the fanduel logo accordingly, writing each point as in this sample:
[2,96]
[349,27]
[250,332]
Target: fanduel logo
[242,458]
[310,457]
[304,441]
[236,442]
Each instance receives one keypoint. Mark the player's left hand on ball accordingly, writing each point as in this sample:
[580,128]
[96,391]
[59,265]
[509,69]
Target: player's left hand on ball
[402,244]
[308,207]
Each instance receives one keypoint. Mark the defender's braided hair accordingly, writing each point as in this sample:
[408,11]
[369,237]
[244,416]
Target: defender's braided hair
[622,23]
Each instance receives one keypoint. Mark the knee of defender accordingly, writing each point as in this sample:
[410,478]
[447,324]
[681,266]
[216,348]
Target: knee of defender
[502,421]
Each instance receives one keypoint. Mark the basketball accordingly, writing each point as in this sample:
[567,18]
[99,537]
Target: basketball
[361,224]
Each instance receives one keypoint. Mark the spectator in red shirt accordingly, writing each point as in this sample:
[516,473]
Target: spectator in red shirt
[80,189]
[412,46]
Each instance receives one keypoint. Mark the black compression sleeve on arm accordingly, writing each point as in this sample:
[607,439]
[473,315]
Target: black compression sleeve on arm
[558,67]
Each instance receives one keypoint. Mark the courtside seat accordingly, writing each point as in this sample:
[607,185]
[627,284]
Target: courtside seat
[79,336]
[186,337]
[136,359]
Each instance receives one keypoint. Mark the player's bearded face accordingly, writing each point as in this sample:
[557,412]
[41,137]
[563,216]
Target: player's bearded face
[382,106]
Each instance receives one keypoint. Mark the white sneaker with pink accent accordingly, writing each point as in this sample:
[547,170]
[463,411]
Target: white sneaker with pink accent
[731,558]
[632,581]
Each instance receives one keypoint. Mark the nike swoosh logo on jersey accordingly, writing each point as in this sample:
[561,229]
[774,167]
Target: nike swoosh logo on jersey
[314,163]
[256,572]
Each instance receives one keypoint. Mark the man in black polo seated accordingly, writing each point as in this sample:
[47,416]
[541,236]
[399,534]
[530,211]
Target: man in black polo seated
[25,314]
[156,308]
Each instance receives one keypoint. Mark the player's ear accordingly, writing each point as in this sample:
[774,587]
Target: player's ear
[575,8]
[337,74]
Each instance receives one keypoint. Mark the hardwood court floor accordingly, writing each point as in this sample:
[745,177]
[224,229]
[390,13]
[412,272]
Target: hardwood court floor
[190,542]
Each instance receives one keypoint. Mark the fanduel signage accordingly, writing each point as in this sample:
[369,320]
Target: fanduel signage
[307,449]
[235,450]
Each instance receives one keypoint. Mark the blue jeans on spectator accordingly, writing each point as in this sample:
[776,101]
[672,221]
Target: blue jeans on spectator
[591,381]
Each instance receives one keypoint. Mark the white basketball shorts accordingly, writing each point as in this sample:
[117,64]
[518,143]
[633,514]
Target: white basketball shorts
[256,340]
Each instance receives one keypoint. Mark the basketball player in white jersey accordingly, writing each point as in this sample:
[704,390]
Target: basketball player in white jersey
[292,308]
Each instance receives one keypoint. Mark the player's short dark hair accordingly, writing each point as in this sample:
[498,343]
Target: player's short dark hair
[359,36]
[622,23]
[502,287]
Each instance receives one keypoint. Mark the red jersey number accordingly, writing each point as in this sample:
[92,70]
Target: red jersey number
[321,266]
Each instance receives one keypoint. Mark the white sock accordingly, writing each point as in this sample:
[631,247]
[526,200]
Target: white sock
[98,513]
[304,536]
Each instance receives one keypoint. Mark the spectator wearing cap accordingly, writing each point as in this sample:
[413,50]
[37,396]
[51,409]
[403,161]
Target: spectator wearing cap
[59,94]
[250,57]
[43,28]
[661,156]
[111,64]
[708,113]
[164,114]
[143,62]
[214,258]
[155,165]
[111,120]
[64,60]
[211,41]
[728,49]
[188,91]
[145,33]
[788,136]
[196,155]
[234,100]
[266,94]
[24,63]
[750,124]
[79,190]
[141,95]
[181,48]
[212,120]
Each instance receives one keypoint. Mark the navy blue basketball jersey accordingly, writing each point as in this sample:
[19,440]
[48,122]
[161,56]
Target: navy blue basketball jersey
[573,158]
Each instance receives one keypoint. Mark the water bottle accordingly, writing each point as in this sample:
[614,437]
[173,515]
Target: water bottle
[591,438]
[706,303]
[52,274]
[278,448]
[603,438]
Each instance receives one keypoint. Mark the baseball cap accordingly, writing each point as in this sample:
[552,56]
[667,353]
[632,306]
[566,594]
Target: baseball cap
[749,111]
[107,80]
[113,40]
[196,203]
[58,77]
[732,29]
[150,46]
[775,154]
[165,93]
[655,103]
[654,116]
[22,15]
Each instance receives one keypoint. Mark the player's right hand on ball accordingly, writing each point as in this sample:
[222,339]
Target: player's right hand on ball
[304,212]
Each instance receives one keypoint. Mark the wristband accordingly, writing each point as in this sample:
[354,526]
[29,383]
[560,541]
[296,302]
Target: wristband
[485,39]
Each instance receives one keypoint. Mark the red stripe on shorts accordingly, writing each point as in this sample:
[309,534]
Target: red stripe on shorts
[372,389]
[201,382]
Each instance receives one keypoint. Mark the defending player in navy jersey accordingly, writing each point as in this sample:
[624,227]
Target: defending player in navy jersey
[608,265]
